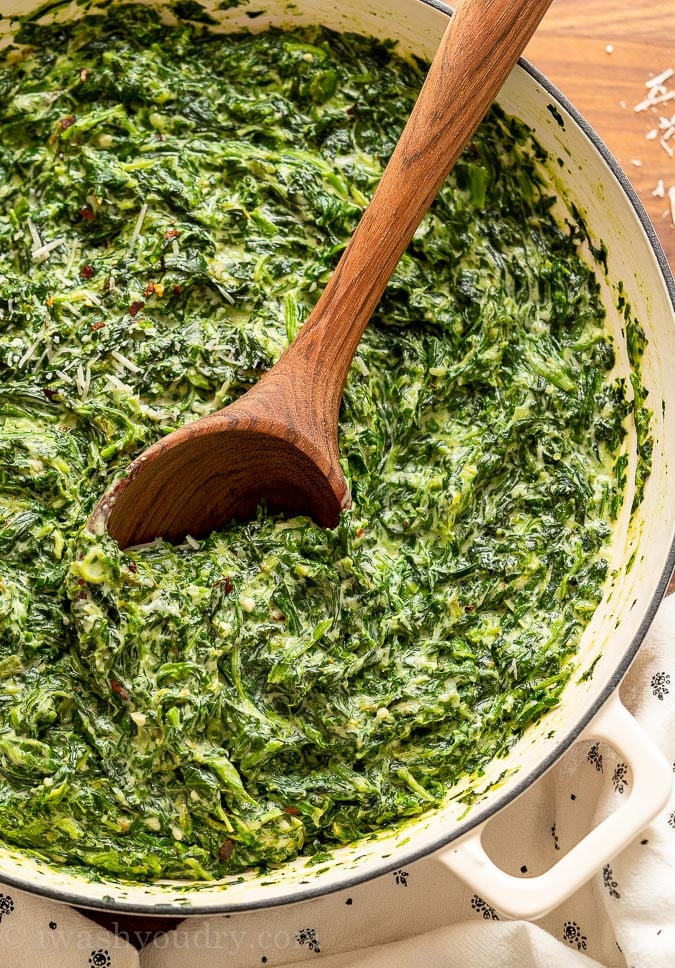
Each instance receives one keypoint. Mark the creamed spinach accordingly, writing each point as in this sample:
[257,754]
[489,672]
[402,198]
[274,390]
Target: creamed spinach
[171,203]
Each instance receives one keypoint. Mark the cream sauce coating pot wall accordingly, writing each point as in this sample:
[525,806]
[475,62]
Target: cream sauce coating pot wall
[642,553]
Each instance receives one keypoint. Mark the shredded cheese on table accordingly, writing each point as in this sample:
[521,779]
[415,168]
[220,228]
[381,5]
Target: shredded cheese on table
[659,93]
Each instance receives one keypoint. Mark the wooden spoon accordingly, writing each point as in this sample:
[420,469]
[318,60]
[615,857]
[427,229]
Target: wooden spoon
[279,442]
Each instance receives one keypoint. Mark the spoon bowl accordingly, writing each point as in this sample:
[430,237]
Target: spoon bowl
[220,467]
[278,443]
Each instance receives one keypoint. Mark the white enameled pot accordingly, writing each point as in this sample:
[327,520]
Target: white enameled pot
[585,176]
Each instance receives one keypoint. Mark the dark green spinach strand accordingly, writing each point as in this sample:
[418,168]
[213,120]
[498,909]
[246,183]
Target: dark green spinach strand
[171,203]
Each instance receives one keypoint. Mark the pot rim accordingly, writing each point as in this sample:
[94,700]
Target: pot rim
[403,855]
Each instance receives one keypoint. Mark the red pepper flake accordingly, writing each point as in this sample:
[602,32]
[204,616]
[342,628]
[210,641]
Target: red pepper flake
[135,307]
[292,811]
[98,325]
[87,214]
[177,290]
[49,393]
[171,234]
[360,533]
[67,121]
[133,567]
[469,608]
[154,287]
[80,581]
[119,690]
[226,849]
[84,74]
[86,272]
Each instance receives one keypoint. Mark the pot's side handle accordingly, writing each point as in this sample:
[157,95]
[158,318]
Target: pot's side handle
[530,898]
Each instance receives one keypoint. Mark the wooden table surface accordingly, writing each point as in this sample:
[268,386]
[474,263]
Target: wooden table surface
[600,53]
[571,49]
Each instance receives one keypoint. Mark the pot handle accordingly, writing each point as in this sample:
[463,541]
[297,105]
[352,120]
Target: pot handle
[529,898]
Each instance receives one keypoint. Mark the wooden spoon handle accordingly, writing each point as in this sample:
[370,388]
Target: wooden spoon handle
[480,46]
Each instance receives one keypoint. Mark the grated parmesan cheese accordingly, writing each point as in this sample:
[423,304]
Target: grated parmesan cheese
[125,361]
[40,253]
[152,414]
[37,241]
[44,354]
[146,546]
[83,380]
[30,351]
[70,258]
[658,93]
[139,225]
[117,385]
[660,79]
[650,102]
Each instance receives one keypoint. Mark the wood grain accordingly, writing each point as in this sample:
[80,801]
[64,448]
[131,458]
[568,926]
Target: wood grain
[570,49]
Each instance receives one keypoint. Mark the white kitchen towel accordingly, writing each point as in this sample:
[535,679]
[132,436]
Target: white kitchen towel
[422,915]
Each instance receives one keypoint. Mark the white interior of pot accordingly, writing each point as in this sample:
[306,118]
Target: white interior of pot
[646,539]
